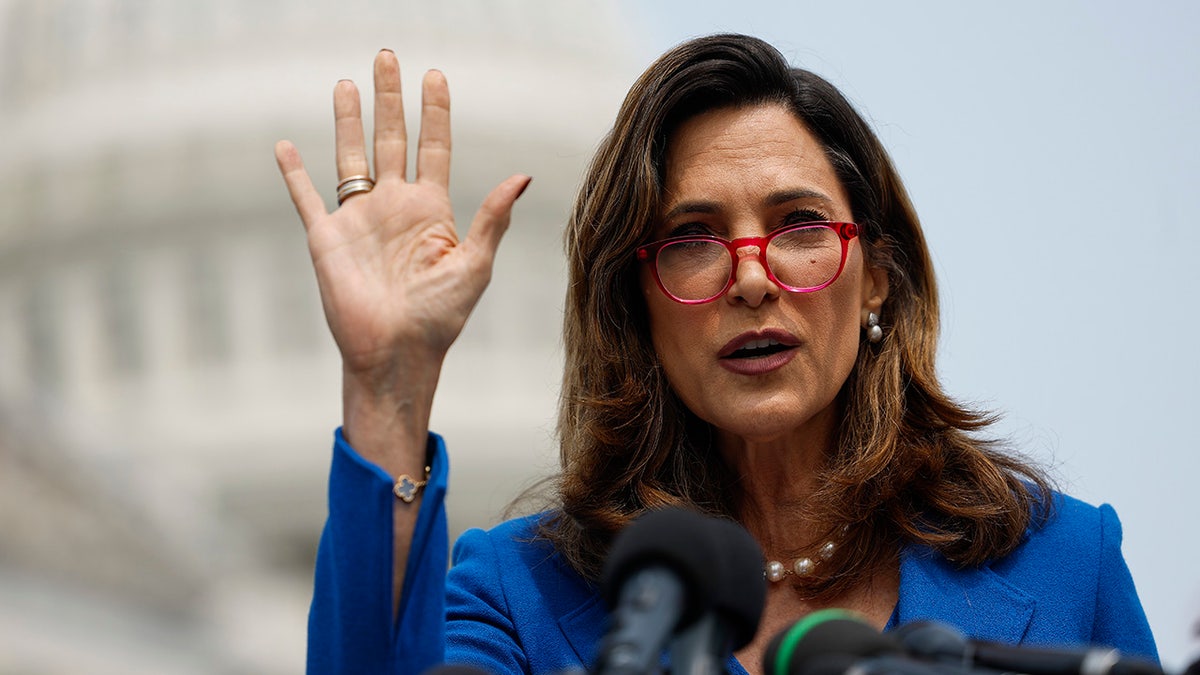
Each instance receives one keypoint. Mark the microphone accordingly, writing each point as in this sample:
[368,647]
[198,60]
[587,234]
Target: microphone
[826,642]
[939,642]
[837,642]
[657,579]
[736,606]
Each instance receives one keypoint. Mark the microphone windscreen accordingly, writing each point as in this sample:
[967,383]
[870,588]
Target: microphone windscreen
[931,640]
[741,592]
[678,539]
[829,664]
[828,631]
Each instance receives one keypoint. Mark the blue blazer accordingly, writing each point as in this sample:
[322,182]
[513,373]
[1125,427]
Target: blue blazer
[510,604]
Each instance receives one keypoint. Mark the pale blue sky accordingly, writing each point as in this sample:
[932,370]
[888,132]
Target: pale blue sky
[1053,154]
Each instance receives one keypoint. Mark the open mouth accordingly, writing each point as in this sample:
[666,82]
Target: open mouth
[758,348]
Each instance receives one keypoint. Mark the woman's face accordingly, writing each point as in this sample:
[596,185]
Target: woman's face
[744,173]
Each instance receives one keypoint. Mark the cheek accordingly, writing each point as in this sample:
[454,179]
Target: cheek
[849,342]
[669,329]
[659,316]
[675,332]
[840,338]
[654,313]
[835,336]
[846,350]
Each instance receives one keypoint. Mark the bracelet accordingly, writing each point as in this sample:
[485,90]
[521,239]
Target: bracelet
[407,489]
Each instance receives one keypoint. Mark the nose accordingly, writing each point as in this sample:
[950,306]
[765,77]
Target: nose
[751,283]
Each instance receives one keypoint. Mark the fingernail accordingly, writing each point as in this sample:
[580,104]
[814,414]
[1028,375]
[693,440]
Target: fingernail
[385,49]
[528,180]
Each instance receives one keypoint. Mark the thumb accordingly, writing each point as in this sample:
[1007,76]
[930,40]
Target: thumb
[492,219]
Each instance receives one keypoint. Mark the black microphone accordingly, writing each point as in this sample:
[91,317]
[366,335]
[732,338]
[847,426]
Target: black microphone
[657,578]
[885,664]
[736,606]
[826,642]
[939,642]
[837,642]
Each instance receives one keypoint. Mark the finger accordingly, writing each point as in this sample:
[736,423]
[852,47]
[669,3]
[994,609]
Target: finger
[348,131]
[433,147]
[391,138]
[493,217]
[305,197]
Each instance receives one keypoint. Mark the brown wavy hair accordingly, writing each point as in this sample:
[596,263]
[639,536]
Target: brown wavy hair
[908,465]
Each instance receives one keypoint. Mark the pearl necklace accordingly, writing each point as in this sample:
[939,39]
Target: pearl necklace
[775,571]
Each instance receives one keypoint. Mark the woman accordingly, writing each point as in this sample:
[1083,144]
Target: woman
[750,331]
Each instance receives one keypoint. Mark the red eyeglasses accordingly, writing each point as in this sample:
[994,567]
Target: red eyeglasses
[800,258]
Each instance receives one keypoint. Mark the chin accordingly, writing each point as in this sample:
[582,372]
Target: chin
[773,420]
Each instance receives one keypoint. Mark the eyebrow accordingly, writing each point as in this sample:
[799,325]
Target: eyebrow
[785,196]
[773,199]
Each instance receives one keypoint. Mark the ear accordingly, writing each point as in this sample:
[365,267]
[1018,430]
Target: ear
[874,291]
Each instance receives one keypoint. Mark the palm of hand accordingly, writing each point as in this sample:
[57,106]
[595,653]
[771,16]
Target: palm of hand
[392,271]
[396,282]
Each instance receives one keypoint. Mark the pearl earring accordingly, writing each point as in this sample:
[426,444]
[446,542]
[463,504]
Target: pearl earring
[874,332]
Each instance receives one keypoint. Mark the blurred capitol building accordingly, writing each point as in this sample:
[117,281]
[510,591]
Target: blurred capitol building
[168,390]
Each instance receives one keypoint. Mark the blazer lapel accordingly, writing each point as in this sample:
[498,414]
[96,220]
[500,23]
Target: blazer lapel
[976,600]
[584,628]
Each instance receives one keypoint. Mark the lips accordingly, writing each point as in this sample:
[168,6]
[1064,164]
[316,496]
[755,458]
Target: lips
[758,349]
[758,344]
[758,353]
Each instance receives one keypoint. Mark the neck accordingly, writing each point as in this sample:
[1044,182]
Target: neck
[777,477]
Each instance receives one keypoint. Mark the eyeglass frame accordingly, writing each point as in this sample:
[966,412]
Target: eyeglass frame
[648,254]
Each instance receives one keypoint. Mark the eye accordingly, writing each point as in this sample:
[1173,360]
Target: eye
[803,216]
[688,230]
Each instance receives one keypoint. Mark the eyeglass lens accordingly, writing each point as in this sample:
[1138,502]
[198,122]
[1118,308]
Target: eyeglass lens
[800,259]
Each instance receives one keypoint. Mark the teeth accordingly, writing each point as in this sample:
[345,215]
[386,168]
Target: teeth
[760,344]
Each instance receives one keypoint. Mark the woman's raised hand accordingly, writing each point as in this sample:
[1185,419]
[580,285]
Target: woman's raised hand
[396,283]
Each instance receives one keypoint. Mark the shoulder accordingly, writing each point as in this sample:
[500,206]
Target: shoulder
[1071,538]
[1063,547]
[514,557]
[1071,516]
[1045,591]
[1071,563]
[512,538]
[509,577]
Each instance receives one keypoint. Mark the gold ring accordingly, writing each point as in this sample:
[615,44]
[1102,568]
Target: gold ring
[352,186]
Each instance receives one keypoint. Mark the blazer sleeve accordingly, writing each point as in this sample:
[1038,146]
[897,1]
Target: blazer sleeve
[1120,621]
[350,625]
